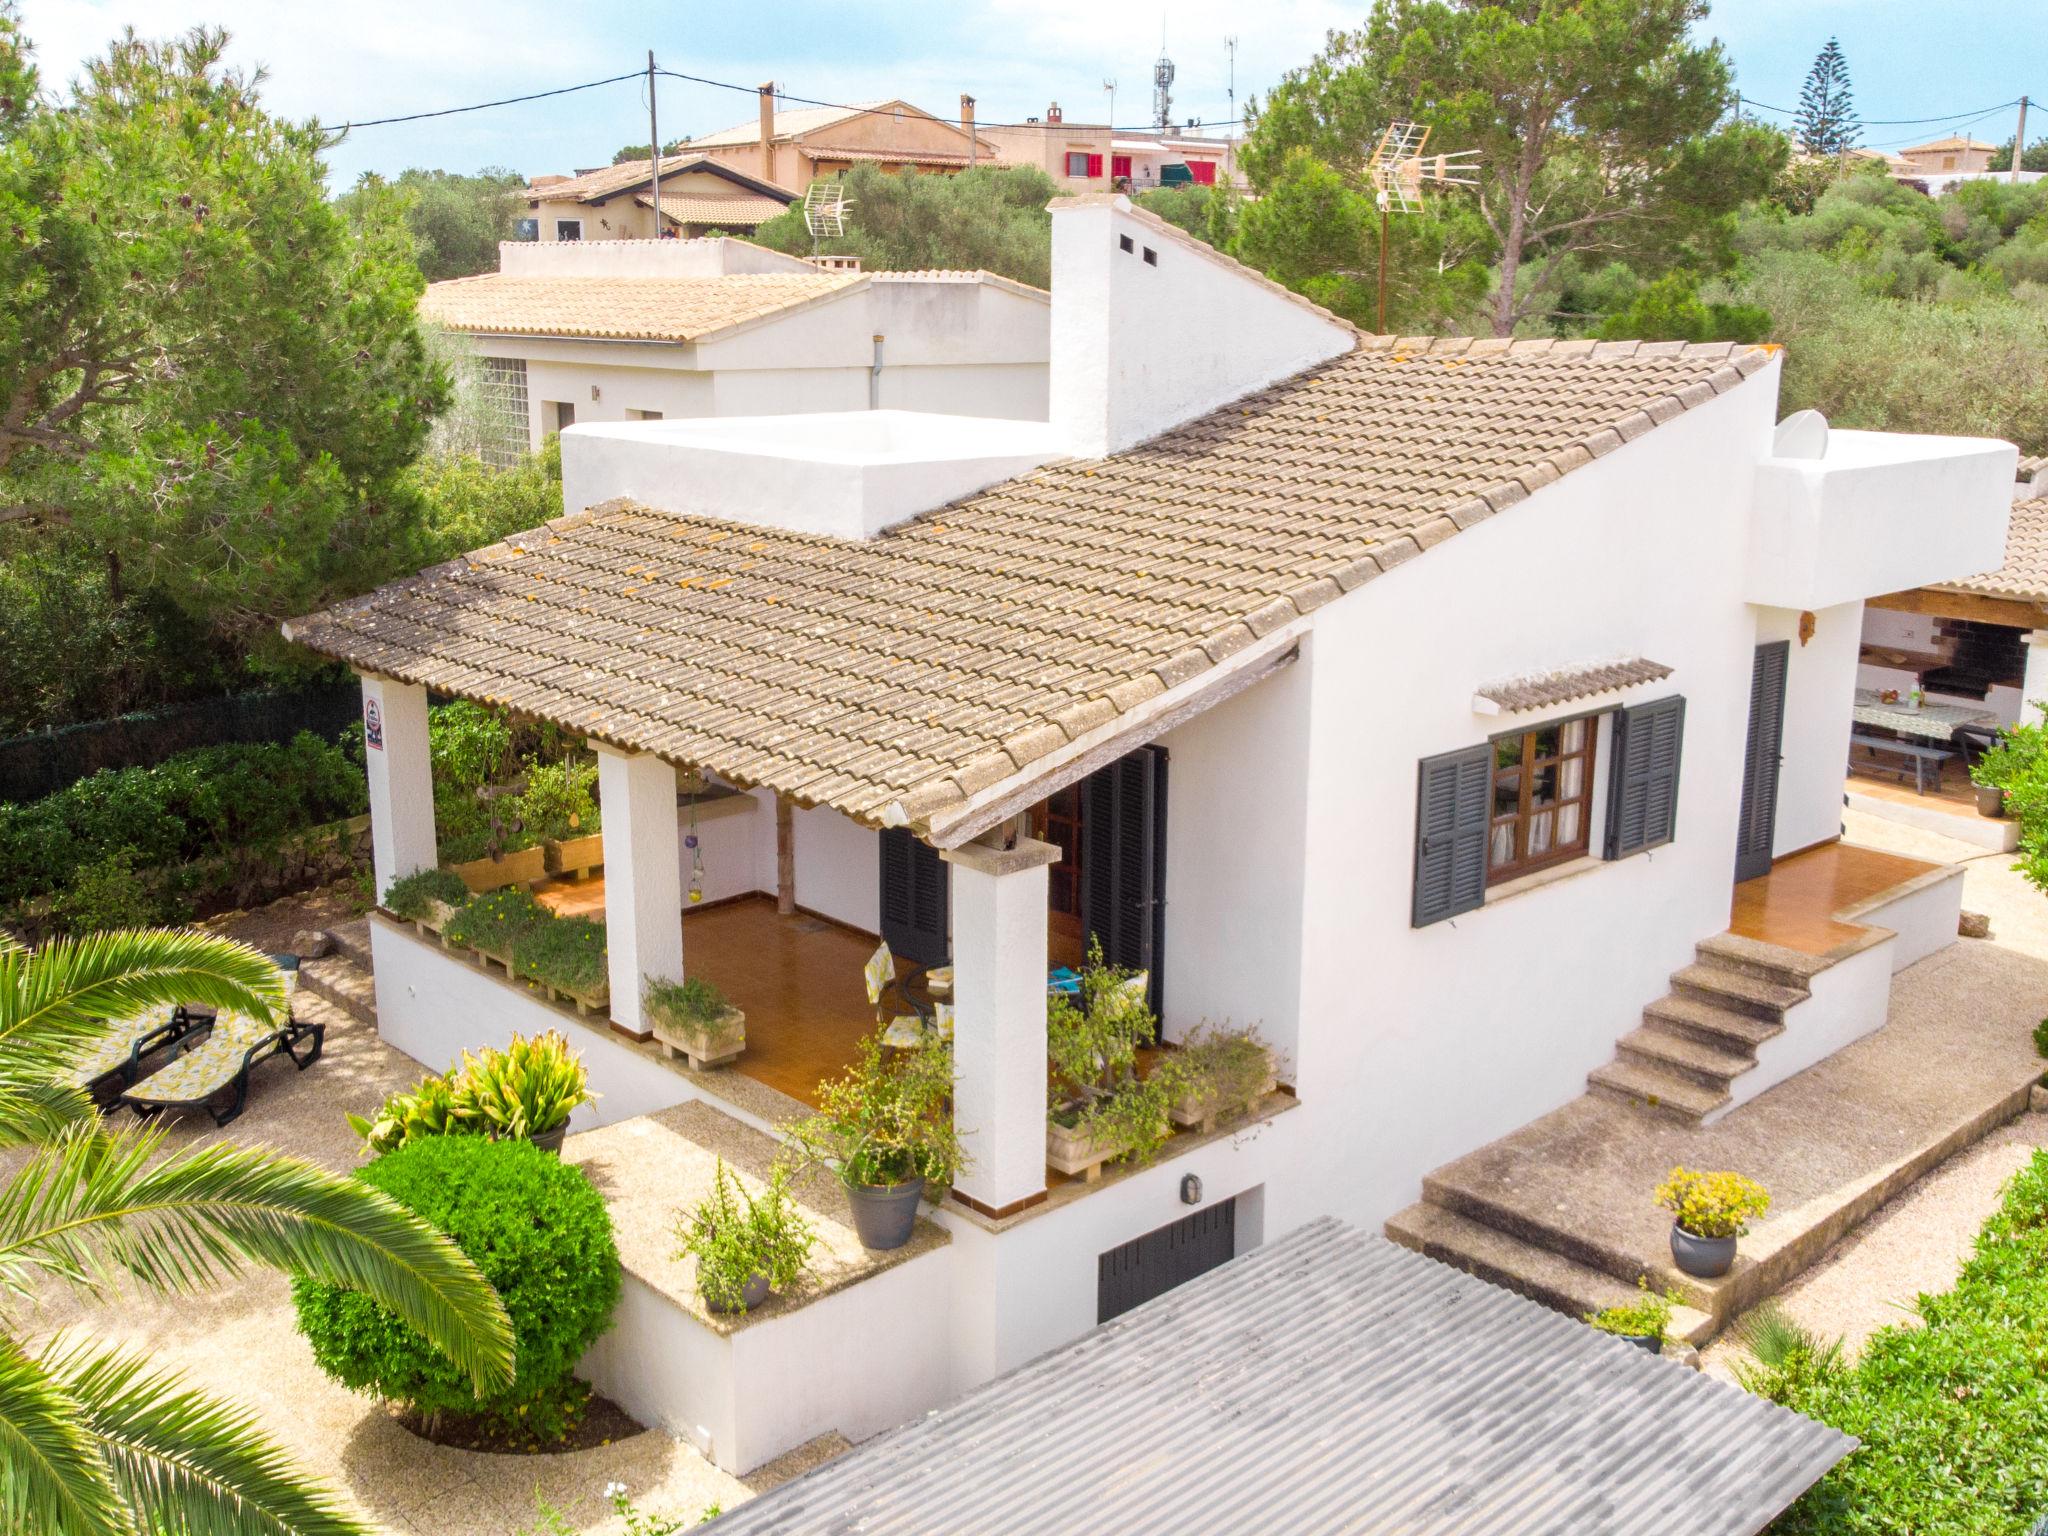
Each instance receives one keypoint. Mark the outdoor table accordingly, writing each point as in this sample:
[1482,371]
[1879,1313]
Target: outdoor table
[1935,722]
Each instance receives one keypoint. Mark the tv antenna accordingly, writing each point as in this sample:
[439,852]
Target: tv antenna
[825,205]
[1398,170]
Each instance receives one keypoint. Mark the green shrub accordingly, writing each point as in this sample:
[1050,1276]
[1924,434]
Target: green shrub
[733,1236]
[1092,1048]
[557,802]
[2041,1039]
[692,1000]
[1952,1413]
[412,896]
[541,1236]
[565,952]
[108,893]
[469,744]
[496,920]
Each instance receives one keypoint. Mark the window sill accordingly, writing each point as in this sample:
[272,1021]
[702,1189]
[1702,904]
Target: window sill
[1509,889]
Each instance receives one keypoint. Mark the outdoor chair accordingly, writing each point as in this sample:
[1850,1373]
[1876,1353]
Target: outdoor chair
[117,1059]
[1973,741]
[218,1067]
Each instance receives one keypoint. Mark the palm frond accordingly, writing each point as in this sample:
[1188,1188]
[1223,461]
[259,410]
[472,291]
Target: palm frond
[187,1463]
[35,1112]
[89,1205]
[53,1000]
[51,1475]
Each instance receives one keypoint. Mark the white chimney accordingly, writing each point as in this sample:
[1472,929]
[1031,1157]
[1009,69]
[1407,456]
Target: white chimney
[1151,327]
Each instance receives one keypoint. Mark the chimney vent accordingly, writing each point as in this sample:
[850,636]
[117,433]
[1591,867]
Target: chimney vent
[1053,114]
[768,130]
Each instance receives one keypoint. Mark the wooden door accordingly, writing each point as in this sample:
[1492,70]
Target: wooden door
[1757,824]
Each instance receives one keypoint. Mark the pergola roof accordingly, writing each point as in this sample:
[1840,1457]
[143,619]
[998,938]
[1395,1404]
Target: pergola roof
[2024,575]
[903,680]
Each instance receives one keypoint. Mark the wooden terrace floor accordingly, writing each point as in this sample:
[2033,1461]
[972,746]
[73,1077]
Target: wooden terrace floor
[1795,904]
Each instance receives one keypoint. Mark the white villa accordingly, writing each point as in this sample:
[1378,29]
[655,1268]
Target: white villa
[1447,707]
[647,330]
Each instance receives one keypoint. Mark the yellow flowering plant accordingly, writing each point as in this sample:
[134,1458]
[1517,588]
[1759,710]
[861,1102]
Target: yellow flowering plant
[1712,1204]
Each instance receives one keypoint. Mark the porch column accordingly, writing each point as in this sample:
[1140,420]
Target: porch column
[401,778]
[999,975]
[2034,683]
[643,879]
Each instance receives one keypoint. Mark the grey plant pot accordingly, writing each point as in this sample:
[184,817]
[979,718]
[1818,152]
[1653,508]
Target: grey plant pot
[1990,801]
[1704,1258]
[751,1295]
[885,1214]
[551,1141]
[1654,1343]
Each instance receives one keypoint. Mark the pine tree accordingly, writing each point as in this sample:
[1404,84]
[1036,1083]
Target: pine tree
[1827,113]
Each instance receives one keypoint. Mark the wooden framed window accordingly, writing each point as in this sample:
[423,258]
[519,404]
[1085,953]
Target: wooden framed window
[568,229]
[1542,797]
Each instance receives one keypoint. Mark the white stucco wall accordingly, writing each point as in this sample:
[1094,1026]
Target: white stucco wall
[1820,690]
[838,868]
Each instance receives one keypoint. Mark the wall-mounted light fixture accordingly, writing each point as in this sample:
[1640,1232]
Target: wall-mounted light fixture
[1190,1189]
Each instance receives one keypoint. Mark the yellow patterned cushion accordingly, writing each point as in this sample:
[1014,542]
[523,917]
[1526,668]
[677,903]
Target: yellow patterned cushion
[112,1051]
[206,1070]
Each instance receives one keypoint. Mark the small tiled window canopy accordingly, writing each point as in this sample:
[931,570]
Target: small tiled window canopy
[1565,685]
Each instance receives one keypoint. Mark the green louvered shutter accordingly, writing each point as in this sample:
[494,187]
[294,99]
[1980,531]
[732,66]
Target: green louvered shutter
[1451,823]
[1642,796]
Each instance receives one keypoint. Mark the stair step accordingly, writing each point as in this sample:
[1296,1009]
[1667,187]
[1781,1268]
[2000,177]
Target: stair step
[1502,1259]
[1712,1065]
[1767,962]
[1738,990]
[1706,1021]
[1658,1088]
[343,983]
[352,942]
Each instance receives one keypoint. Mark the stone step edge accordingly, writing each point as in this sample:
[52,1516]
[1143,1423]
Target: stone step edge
[1661,1090]
[1714,1067]
[358,1002]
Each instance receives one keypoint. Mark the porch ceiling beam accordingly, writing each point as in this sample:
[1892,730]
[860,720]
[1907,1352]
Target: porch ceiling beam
[1105,744]
[1940,604]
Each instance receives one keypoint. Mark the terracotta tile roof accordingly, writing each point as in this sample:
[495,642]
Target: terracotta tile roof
[893,678]
[1547,690]
[595,186]
[734,209]
[790,121]
[2031,465]
[623,308]
[1953,141]
[2024,575]
[988,156]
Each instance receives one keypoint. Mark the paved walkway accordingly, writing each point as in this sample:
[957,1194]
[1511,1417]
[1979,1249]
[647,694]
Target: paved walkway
[240,1342]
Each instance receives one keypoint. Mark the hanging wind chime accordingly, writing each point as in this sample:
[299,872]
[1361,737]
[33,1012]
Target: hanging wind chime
[692,843]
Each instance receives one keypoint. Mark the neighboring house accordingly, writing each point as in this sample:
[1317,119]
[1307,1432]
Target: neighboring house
[794,147]
[1077,156]
[699,195]
[641,329]
[1142,161]
[1419,700]
[1950,154]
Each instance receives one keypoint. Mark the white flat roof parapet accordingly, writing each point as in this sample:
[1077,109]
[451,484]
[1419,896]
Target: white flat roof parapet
[713,256]
[1878,512]
[842,474]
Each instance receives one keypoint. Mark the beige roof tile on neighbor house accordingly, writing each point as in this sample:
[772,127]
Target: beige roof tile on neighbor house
[876,676]
[2024,575]
[622,308]
[738,209]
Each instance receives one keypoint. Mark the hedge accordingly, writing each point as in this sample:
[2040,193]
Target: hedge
[1953,1413]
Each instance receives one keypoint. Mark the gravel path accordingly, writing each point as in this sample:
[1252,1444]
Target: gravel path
[1916,1243]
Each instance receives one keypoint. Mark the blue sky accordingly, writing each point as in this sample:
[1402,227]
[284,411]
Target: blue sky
[358,59]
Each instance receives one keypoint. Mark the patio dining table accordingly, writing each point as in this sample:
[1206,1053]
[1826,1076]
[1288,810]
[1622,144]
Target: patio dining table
[1933,722]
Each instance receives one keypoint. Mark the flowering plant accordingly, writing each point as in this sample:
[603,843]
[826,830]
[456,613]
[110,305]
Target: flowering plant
[1712,1204]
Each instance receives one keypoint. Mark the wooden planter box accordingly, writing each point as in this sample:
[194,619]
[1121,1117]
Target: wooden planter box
[1202,1110]
[522,866]
[439,915]
[597,1000]
[576,856]
[1073,1151]
[701,1045]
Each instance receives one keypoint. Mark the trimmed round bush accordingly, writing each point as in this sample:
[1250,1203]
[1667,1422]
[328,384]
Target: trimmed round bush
[540,1234]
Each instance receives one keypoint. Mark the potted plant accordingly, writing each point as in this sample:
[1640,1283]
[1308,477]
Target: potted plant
[746,1247]
[427,898]
[566,955]
[486,844]
[1710,1211]
[1100,1106]
[1224,1070]
[885,1126]
[2009,767]
[440,1106]
[1642,1322]
[493,923]
[691,1018]
[557,807]
[529,1089]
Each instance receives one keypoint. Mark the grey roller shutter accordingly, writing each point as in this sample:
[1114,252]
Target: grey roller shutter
[1451,823]
[916,895]
[1642,797]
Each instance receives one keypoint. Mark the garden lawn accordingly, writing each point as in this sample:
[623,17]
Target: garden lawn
[1953,1414]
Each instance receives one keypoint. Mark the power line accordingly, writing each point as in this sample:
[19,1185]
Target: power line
[509,101]
[1889,122]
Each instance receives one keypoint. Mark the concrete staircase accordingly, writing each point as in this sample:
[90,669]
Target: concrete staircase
[344,978]
[1695,1041]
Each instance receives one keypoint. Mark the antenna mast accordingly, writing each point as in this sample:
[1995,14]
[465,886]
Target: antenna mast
[1162,87]
[1230,128]
[1110,86]
[1397,168]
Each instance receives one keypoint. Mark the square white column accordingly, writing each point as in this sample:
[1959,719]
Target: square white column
[401,778]
[643,880]
[2034,682]
[999,975]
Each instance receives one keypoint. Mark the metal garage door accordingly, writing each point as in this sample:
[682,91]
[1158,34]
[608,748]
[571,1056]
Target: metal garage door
[1154,1264]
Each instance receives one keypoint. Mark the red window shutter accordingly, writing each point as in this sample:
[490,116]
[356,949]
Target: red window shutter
[1094,166]
[1119,165]
[1204,172]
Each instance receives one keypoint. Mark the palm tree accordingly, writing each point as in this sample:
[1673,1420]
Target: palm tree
[95,1441]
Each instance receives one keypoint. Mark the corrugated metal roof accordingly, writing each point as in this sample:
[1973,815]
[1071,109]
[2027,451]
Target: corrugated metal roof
[1328,1382]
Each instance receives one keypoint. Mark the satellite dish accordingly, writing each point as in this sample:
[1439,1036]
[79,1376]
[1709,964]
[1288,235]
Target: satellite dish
[1802,435]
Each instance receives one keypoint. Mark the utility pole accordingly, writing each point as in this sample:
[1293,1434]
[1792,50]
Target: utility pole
[2019,143]
[1110,86]
[1230,129]
[654,143]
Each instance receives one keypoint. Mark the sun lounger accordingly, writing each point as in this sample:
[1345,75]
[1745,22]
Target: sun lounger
[117,1059]
[217,1068]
